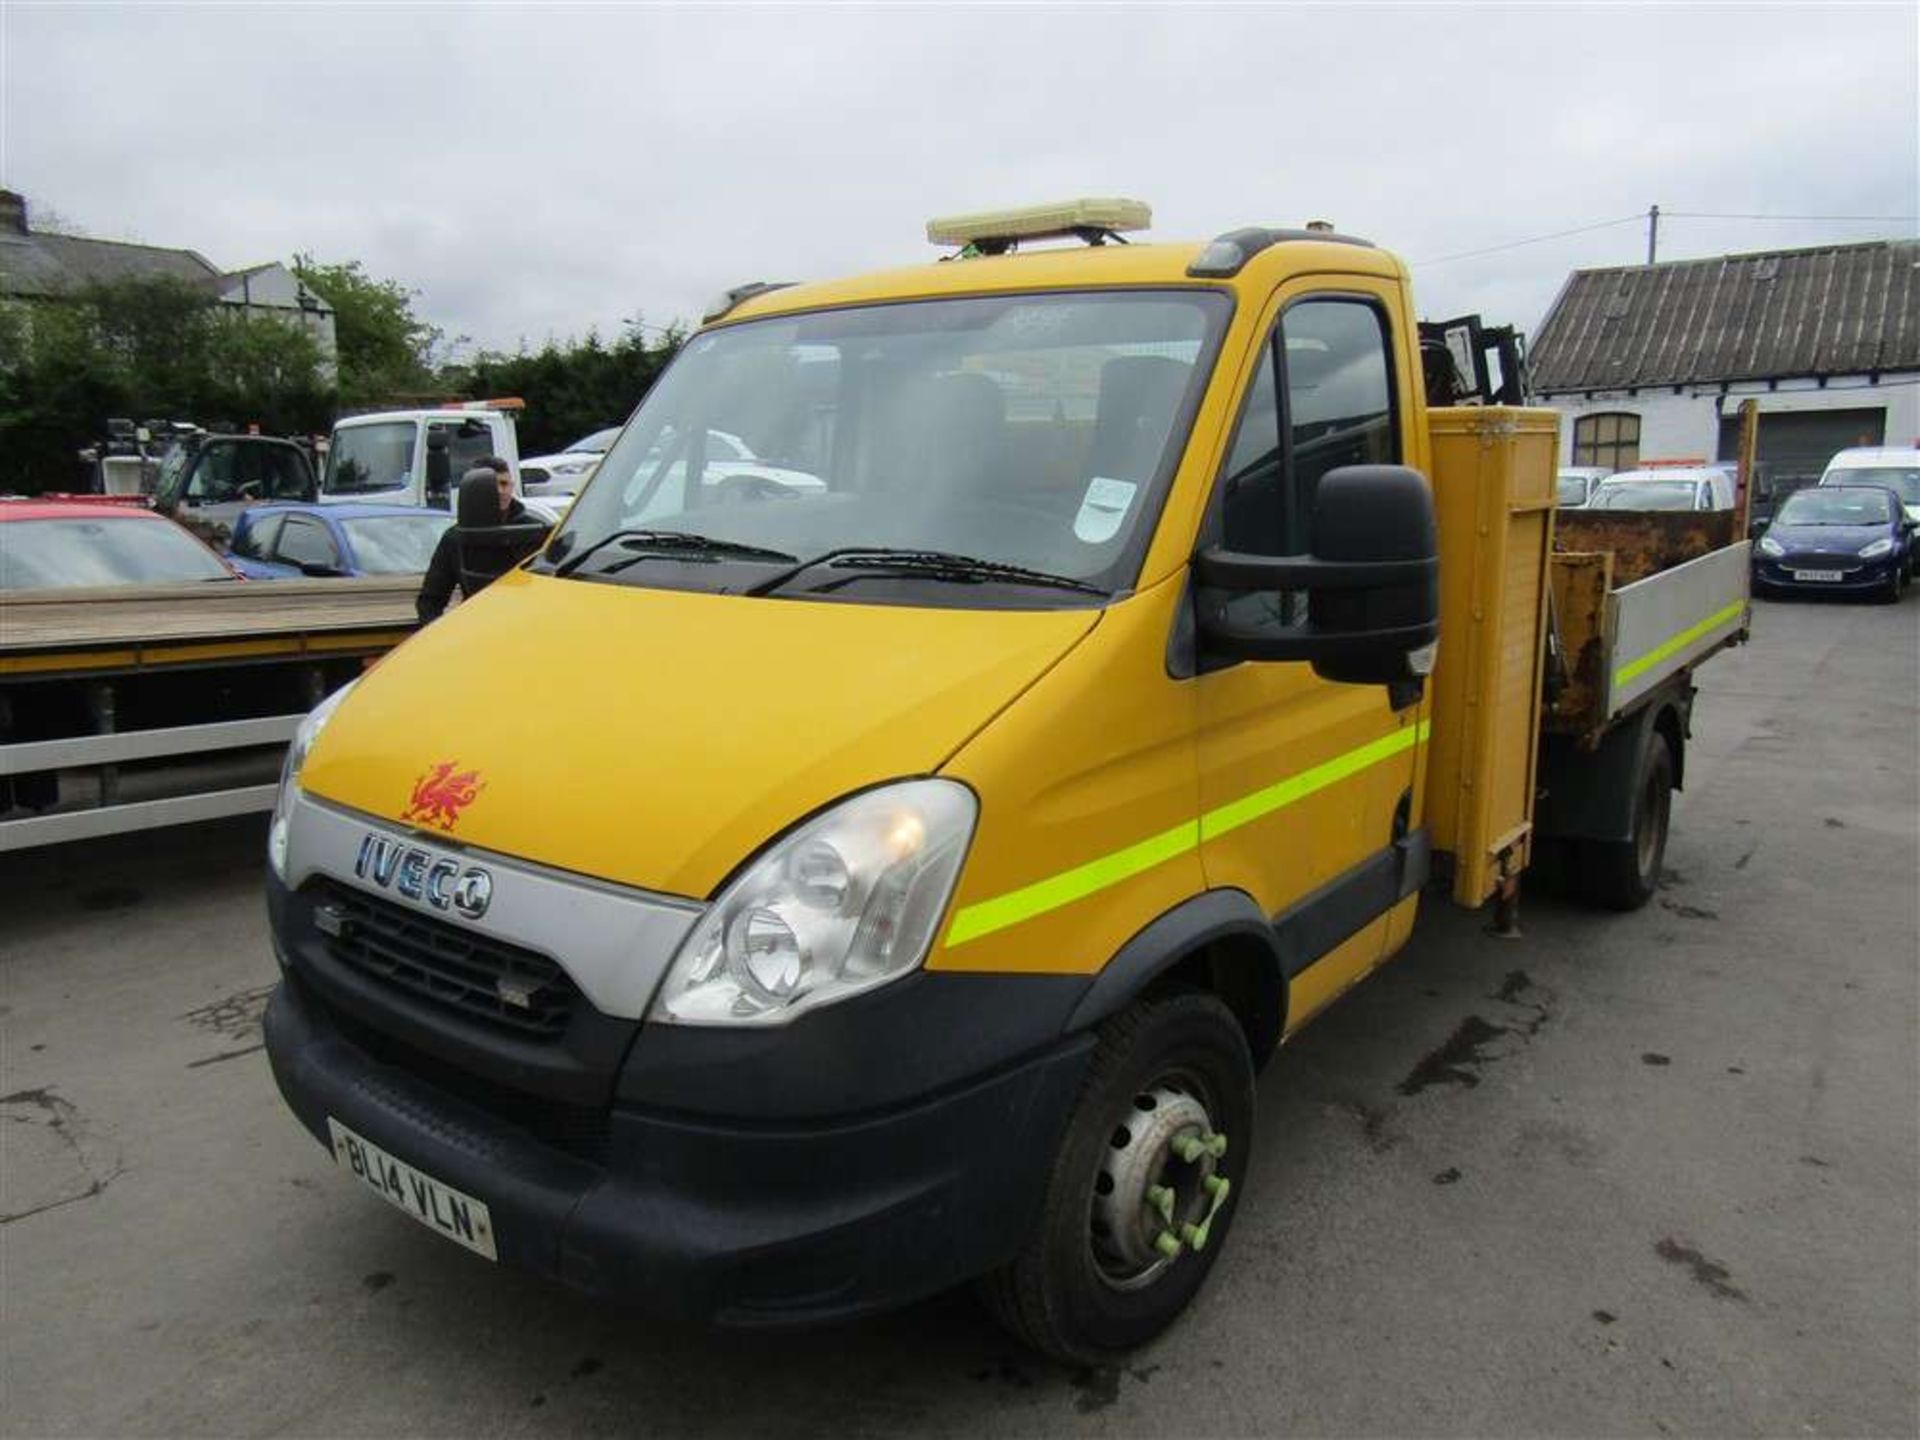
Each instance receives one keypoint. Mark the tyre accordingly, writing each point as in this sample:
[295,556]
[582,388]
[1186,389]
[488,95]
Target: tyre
[1623,874]
[1890,593]
[1144,1186]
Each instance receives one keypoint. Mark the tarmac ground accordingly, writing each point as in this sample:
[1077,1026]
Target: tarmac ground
[1628,1175]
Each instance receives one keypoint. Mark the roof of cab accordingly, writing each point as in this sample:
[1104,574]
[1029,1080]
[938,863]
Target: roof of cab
[1070,267]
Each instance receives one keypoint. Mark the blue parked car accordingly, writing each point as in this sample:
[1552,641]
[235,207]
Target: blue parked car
[1848,539]
[275,542]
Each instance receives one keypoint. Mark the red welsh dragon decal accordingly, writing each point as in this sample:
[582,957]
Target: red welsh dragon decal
[440,795]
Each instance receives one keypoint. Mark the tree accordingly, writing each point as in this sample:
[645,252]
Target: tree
[577,388]
[385,351]
[142,348]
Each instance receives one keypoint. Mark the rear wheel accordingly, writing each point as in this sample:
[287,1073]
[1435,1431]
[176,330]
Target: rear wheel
[1623,874]
[1142,1191]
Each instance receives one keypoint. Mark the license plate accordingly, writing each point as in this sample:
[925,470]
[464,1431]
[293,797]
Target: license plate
[461,1218]
[1819,574]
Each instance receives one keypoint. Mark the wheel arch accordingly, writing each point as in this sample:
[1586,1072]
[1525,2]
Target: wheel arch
[1219,941]
[1588,794]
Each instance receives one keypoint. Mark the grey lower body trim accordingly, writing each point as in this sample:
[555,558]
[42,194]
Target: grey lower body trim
[146,815]
[1320,922]
[615,942]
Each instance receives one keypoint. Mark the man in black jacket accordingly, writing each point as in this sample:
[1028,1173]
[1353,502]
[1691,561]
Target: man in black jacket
[486,503]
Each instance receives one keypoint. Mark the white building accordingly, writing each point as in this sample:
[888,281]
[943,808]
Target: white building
[1651,362]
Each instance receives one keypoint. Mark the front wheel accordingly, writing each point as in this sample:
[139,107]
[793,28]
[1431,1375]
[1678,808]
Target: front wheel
[1144,1185]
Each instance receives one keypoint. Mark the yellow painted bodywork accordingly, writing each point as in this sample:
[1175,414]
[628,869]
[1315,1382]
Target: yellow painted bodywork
[657,738]
[1493,487]
[660,738]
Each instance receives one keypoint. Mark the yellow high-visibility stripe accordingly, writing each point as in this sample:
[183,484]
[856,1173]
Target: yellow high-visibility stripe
[1247,808]
[1635,668]
[984,917]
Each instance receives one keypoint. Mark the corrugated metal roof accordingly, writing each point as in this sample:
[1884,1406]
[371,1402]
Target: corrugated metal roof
[1830,310]
[37,264]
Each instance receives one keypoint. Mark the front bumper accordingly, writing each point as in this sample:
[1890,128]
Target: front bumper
[1859,577]
[722,1221]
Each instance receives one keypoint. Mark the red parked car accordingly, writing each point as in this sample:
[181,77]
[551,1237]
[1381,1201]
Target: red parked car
[69,543]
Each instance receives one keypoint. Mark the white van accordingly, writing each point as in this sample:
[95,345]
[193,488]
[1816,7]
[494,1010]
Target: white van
[1669,487]
[1893,469]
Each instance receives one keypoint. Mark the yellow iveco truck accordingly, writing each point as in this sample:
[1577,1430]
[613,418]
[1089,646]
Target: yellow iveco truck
[803,888]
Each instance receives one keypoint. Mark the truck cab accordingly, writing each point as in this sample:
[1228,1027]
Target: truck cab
[939,847]
[206,481]
[415,457]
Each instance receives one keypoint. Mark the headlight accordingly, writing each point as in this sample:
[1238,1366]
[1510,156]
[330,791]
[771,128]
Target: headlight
[1771,546]
[297,751]
[1874,549]
[573,467]
[846,902]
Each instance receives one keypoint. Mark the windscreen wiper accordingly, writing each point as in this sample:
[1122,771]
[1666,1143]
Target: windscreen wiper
[673,542]
[880,560]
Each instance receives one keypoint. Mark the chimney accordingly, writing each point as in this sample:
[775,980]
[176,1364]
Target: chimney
[13,212]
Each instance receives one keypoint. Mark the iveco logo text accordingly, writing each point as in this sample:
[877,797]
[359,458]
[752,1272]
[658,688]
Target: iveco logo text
[423,877]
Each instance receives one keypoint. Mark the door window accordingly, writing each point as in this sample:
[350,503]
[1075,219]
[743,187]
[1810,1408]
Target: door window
[255,538]
[1322,398]
[468,443]
[306,542]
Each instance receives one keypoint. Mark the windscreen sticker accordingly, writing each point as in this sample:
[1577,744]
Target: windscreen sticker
[1103,509]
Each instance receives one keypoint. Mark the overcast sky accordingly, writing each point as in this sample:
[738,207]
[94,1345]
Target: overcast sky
[536,170]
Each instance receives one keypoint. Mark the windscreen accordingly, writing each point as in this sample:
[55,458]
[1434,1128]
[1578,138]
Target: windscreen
[1823,506]
[43,554]
[394,544]
[1573,493]
[1646,495]
[1903,480]
[1035,431]
[365,458]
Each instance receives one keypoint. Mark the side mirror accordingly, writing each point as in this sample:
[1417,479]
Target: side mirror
[1372,583]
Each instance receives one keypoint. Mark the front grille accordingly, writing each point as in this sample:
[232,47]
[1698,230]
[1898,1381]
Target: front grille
[1812,560]
[579,1130]
[459,969]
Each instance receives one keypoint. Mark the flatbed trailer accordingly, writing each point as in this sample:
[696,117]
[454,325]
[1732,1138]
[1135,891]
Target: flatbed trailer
[1571,642]
[140,706]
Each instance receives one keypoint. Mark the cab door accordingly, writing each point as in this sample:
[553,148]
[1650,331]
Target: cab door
[1306,785]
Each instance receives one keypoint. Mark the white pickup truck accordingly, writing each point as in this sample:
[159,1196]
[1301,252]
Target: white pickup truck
[416,457]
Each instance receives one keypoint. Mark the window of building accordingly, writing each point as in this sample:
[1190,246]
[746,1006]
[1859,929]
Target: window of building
[1612,440]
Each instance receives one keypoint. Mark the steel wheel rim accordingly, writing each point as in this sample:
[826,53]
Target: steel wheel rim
[1139,1159]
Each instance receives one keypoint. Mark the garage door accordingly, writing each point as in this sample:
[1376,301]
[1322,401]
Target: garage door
[1795,447]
